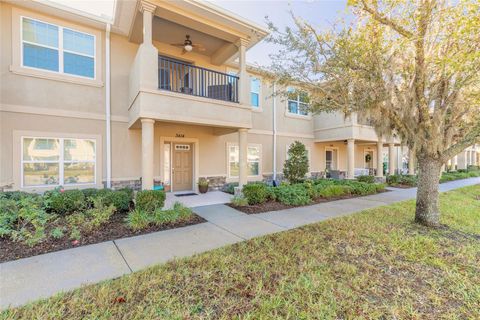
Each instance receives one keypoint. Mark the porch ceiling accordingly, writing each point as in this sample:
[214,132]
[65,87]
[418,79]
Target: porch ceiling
[216,29]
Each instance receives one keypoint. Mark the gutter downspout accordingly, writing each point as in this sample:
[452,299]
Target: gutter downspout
[274,133]
[108,132]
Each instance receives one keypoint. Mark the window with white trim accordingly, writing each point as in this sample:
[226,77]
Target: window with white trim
[58,161]
[57,49]
[255,85]
[253,160]
[297,102]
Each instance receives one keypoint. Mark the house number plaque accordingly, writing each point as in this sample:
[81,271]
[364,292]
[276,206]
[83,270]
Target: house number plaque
[180,135]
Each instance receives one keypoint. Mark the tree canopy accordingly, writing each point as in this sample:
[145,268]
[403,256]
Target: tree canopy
[411,67]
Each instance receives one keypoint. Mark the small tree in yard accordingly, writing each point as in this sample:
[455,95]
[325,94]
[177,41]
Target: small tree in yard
[296,166]
[411,67]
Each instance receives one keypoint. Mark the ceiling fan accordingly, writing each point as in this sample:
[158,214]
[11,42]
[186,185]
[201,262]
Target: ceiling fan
[188,45]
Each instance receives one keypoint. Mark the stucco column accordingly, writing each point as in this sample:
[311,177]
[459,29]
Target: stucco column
[475,158]
[351,158]
[147,8]
[244,83]
[379,158]
[391,158]
[146,62]
[411,162]
[242,157]
[462,160]
[147,153]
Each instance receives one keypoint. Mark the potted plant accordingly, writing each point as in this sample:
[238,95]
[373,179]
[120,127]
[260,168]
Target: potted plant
[203,185]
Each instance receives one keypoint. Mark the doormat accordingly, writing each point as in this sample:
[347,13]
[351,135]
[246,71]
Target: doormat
[186,194]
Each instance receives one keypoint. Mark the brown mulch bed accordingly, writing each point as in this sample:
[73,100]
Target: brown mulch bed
[274,205]
[115,229]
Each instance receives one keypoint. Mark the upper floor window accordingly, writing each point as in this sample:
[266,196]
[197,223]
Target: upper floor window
[54,48]
[297,102]
[255,85]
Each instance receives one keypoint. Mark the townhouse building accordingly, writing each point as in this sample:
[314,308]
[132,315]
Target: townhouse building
[160,95]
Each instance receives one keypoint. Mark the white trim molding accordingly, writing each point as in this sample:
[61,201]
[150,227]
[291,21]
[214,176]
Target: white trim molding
[59,113]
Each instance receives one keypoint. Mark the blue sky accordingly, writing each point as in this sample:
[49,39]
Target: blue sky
[320,13]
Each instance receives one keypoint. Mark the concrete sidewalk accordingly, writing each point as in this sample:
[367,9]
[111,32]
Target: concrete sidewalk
[29,279]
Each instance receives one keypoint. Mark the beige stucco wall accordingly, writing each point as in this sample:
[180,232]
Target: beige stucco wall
[54,106]
[20,91]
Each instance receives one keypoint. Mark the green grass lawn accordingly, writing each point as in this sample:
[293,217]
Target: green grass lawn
[376,265]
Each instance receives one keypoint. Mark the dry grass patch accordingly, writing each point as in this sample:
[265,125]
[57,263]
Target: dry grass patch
[373,265]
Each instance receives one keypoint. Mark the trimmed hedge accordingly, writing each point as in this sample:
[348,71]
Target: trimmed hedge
[292,195]
[120,199]
[334,191]
[460,174]
[407,180]
[64,202]
[255,193]
[366,178]
[150,200]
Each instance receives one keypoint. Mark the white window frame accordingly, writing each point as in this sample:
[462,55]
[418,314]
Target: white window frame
[254,145]
[59,49]
[259,107]
[60,161]
[298,114]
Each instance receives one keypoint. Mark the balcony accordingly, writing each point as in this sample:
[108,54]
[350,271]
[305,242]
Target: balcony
[336,127]
[178,76]
[171,84]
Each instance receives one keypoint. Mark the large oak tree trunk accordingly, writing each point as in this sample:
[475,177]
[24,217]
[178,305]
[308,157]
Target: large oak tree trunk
[427,193]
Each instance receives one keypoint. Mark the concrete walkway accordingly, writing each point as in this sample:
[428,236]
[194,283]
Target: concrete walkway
[29,279]
[211,197]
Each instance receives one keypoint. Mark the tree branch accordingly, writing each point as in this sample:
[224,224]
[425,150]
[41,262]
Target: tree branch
[472,137]
[386,21]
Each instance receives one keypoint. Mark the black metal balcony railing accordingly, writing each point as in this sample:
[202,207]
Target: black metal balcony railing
[178,76]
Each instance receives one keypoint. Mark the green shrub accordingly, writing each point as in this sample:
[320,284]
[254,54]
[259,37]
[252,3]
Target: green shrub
[90,192]
[57,233]
[138,219]
[239,201]
[334,191]
[120,199]
[178,213]
[64,202]
[150,200]
[366,178]
[255,193]
[230,188]
[18,195]
[294,195]
[27,224]
[8,216]
[99,214]
[407,180]
[296,166]
[128,191]
[459,174]
[472,167]
[380,187]
[393,179]
[359,188]
[324,182]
